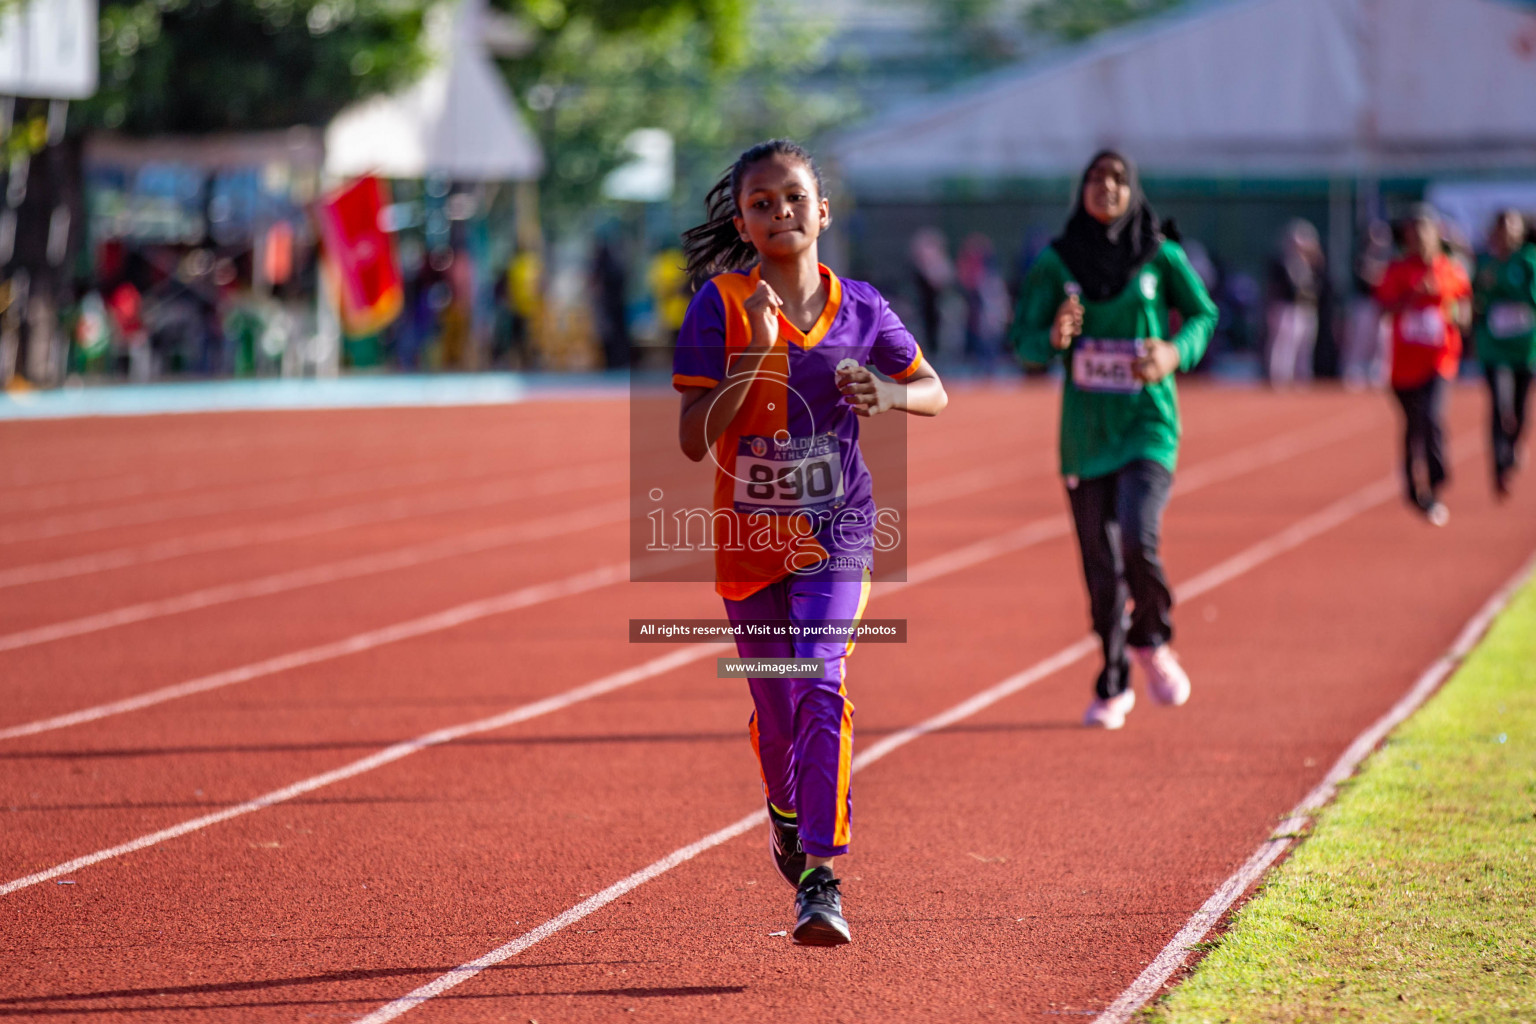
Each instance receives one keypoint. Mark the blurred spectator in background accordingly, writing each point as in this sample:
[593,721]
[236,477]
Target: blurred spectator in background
[1205,269]
[12,304]
[1201,263]
[986,301]
[525,287]
[456,318]
[425,299]
[1036,238]
[501,330]
[1426,294]
[1456,245]
[1298,282]
[224,279]
[1243,296]
[92,332]
[1231,333]
[609,282]
[670,291]
[933,274]
[125,305]
[1365,341]
[1504,304]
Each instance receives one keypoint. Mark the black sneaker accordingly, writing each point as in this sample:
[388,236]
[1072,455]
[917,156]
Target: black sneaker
[784,844]
[819,911]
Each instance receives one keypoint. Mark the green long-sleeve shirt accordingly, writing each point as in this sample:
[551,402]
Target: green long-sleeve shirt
[1504,299]
[1107,419]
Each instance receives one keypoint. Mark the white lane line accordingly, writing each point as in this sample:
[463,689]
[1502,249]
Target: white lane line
[401,508]
[1243,461]
[391,510]
[459,975]
[972,481]
[169,462]
[522,713]
[92,490]
[108,489]
[1150,982]
[951,562]
[1275,450]
[932,569]
[1205,474]
[447,619]
[165,482]
[264,496]
[331,572]
[1245,561]
[1339,512]
[523,597]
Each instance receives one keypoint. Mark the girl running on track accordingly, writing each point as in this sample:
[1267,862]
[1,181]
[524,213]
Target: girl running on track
[1099,296]
[771,362]
[1424,293]
[1504,300]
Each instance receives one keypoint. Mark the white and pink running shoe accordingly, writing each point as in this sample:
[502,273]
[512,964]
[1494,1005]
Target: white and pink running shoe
[1110,713]
[1166,679]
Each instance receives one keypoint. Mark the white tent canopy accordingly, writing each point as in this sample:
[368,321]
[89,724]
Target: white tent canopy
[458,122]
[1242,87]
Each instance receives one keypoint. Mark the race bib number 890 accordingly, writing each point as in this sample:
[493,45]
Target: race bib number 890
[798,474]
[1106,365]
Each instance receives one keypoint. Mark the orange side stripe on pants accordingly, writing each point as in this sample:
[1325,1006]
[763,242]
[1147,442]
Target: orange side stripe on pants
[844,773]
[757,752]
[843,830]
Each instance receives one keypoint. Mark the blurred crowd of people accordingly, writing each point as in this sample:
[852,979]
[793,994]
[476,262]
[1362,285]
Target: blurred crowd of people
[153,311]
[1311,331]
[570,310]
[961,307]
[1294,326]
[158,312]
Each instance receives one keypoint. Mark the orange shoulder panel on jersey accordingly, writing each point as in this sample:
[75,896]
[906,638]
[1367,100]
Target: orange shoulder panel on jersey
[742,572]
[765,411]
[912,367]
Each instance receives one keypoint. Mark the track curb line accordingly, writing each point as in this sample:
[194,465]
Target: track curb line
[1289,832]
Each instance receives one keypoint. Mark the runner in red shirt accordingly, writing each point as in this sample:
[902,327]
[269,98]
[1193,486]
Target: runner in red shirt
[1425,293]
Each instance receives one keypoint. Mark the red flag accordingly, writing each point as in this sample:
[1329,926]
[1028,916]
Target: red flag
[362,255]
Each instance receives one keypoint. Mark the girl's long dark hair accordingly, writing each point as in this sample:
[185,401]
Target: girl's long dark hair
[715,246]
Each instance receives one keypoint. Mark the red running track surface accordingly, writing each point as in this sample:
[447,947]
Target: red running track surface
[1010,864]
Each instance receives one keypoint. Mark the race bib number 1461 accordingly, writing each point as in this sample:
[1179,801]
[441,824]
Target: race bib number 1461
[1510,319]
[1106,365]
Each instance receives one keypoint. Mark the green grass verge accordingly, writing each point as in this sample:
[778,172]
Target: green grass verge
[1414,899]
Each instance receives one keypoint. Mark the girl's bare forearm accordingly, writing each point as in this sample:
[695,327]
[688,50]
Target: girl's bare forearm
[706,418]
[924,396]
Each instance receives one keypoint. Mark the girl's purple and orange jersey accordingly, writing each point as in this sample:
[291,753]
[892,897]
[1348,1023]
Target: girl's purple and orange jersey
[791,488]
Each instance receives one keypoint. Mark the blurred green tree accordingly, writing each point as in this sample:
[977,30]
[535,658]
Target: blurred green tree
[716,74]
[1072,21]
[971,29]
[192,66]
